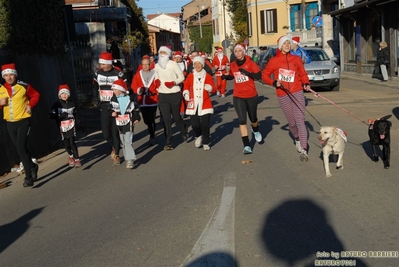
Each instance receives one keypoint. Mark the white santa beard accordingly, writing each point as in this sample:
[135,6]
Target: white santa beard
[163,60]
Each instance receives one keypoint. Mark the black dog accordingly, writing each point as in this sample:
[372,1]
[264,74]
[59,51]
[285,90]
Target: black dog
[379,133]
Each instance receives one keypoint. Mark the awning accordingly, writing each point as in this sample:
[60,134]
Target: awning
[356,7]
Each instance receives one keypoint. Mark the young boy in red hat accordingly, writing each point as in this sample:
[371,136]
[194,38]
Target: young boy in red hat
[126,113]
[17,100]
[64,112]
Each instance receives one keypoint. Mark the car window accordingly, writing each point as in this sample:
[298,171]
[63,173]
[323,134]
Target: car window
[317,55]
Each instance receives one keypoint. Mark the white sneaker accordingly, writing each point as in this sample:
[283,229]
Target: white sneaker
[207,147]
[247,150]
[303,156]
[218,93]
[258,136]
[223,95]
[298,146]
[198,141]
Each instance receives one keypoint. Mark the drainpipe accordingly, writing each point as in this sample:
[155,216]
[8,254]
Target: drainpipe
[256,17]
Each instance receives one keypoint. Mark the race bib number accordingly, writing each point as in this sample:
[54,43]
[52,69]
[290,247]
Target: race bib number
[286,75]
[106,95]
[190,104]
[240,78]
[122,120]
[67,125]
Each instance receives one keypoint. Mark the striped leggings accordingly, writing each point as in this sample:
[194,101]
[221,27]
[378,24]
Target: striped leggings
[294,111]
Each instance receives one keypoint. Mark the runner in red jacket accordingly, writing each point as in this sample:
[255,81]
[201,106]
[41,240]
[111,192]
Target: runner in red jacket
[290,79]
[245,71]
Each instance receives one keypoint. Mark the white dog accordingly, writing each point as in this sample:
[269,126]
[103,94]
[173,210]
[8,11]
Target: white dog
[333,141]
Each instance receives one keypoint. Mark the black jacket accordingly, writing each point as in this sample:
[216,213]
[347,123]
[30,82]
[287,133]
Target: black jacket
[383,56]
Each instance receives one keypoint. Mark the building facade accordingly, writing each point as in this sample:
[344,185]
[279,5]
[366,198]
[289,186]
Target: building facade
[362,26]
[268,20]
[222,27]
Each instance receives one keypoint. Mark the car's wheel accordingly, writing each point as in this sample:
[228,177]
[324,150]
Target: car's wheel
[335,88]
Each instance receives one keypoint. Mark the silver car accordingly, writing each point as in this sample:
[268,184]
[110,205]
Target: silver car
[322,71]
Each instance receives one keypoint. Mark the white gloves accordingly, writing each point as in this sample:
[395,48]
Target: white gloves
[208,87]
[186,95]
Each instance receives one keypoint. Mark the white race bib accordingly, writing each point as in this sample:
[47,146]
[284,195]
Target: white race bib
[122,120]
[67,125]
[240,78]
[106,95]
[286,75]
[190,104]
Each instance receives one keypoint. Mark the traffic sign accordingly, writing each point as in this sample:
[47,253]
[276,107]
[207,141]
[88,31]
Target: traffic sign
[317,21]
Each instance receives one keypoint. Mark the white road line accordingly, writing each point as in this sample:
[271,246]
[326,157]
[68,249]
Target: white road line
[215,246]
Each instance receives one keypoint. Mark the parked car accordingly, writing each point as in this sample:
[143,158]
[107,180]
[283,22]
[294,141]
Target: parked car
[322,71]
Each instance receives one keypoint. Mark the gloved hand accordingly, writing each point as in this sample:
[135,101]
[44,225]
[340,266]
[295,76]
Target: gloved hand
[170,84]
[306,86]
[157,83]
[224,76]
[244,71]
[276,83]
[208,87]
[186,95]
[63,115]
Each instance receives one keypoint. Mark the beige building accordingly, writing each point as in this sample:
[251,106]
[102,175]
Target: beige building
[268,20]
[222,27]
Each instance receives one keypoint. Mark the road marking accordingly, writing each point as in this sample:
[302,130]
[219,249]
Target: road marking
[215,246]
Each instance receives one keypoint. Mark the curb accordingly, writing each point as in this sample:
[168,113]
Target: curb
[392,83]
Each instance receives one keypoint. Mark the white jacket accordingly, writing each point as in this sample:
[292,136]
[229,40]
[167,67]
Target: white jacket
[172,73]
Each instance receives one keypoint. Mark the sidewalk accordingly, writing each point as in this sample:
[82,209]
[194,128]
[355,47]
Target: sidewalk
[393,82]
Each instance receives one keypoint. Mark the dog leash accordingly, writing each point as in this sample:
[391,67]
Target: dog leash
[338,106]
[296,102]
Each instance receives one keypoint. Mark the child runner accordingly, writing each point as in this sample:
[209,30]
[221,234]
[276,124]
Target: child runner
[64,112]
[126,114]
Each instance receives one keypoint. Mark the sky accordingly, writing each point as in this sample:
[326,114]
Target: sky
[161,6]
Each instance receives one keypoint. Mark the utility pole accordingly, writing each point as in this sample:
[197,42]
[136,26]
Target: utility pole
[199,18]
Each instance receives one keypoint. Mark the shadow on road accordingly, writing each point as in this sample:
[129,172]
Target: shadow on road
[12,231]
[219,259]
[296,230]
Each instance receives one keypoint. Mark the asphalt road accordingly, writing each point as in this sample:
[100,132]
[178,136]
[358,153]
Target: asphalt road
[189,207]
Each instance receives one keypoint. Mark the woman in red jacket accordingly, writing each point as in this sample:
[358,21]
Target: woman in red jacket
[147,96]
[290,79]
[245,71]
[197,88]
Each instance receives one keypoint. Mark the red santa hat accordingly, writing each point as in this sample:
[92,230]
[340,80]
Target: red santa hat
[177,54]
[282,40]
[202,54]
[220,49]
[120,85]
[296,40]
[8,69]
[146,57]
[243,47]
[105,58]
[64,89]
